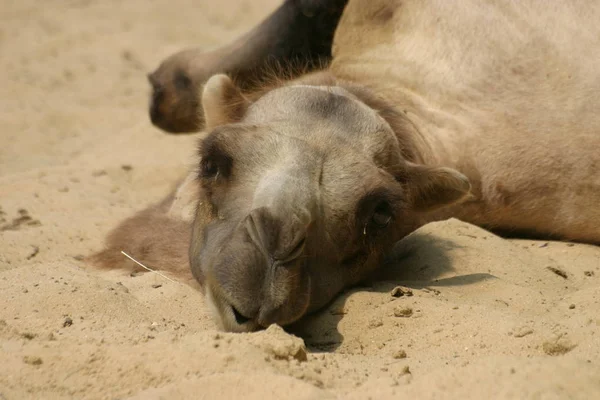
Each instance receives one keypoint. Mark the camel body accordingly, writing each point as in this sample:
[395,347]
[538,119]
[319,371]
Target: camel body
[503,91]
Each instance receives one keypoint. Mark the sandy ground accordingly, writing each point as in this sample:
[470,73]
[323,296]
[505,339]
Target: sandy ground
[487,318]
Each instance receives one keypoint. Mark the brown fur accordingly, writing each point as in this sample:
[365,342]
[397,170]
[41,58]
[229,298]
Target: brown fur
[153,238]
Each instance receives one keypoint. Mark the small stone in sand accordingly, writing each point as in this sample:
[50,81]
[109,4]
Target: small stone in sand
[556,348]
[522,332]
[156,286]
[375,322]
[588,273]
[403,312]
[32,360]
[400,291]
[572,306]
[281,345]
[68,322]
[399,354]
[28,335]
[558,272]
[34,252]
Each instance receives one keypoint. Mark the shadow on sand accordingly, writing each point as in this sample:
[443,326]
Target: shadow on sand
[418,261]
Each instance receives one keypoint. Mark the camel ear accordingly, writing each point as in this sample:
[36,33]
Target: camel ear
[430,188]
[222,101]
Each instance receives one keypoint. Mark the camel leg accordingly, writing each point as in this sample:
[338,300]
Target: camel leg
[296,38]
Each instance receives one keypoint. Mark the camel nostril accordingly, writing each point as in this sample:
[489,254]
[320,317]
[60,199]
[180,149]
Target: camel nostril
[239,318]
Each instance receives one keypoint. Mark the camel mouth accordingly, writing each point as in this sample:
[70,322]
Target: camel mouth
[239,317]
[226,315]
[279,292]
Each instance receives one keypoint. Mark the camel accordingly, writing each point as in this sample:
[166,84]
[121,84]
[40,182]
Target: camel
[483,111]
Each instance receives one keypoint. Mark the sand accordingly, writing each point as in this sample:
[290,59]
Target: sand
[487,318]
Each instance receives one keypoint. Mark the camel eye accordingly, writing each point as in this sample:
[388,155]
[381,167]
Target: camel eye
[209,168]
[215,164]
[382,215]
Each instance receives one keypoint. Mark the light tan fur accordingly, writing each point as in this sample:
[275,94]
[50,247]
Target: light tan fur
[435,98]
[504,91]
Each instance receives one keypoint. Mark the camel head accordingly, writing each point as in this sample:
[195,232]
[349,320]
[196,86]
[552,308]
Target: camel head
[303,192]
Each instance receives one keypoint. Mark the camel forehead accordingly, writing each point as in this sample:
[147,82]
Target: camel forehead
[310,105]
[294,121]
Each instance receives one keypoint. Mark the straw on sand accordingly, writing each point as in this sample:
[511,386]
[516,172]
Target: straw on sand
[143,266]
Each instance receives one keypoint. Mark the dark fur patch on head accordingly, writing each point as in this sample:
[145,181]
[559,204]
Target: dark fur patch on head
[182,81]
[214,159]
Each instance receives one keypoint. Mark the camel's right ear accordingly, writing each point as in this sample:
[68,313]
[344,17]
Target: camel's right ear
[223,102]
[429,188]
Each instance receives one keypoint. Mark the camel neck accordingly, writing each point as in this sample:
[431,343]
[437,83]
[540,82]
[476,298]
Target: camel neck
[426,135]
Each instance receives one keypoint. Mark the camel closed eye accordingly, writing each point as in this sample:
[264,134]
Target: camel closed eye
[382,215]
[376,210]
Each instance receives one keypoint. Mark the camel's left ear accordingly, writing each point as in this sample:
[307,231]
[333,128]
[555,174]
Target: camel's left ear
[429,188]
[223,102]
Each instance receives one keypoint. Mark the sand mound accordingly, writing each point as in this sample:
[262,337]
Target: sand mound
[472,315]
